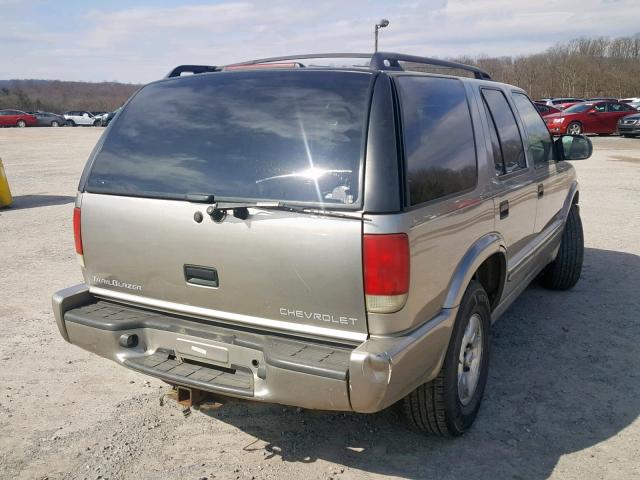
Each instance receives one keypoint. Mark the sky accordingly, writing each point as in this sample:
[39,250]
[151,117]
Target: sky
[141,41]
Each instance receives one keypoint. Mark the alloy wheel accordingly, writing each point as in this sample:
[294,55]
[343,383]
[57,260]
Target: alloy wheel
[470,359]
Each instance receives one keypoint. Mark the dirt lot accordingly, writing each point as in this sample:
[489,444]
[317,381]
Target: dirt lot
[562,400]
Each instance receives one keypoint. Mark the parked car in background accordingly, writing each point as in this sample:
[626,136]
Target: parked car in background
[48,119]
[16,118]
[588,117]
[106,119]
[632,102]
[601,99]
[99,116]
[565,105]
[81,117]
[560,102]
[629,126]
[546,109]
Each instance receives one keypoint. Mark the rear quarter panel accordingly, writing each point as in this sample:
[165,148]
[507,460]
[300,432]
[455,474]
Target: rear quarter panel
[440,233]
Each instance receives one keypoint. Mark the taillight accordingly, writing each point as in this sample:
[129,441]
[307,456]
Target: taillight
[77,232]
[386,271]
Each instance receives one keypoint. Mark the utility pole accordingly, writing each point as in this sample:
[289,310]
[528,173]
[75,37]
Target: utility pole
[383,23]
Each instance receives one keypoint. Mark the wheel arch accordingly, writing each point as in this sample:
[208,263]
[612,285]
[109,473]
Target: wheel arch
[572,198]
[485,261]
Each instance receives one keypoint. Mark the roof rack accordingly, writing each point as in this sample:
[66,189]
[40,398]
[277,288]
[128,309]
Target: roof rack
[180,69]
[377,61]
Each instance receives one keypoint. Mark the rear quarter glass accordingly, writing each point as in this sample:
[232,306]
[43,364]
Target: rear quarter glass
[439,145]
[293,136]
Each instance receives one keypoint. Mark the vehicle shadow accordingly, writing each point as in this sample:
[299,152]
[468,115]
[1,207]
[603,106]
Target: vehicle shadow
[33,201]
[564,377]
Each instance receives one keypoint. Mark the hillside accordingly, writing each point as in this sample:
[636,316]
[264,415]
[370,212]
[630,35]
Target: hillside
[60,96]
[584,67]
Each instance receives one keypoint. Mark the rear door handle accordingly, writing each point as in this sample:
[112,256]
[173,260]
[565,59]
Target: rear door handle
[504,209]
[540,190]
[202,276]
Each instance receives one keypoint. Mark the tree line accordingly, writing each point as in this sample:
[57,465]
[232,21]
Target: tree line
[584,67]
[59,96]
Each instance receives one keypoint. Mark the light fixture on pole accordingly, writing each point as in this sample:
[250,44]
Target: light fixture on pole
[383,23]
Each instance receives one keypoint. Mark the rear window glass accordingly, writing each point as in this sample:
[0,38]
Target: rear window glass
[286,135]
[579,108]
[440,153]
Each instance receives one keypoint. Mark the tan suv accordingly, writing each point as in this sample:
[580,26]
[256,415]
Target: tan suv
[329,238]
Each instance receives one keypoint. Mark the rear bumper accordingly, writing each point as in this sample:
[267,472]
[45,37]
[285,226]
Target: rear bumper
[244,363]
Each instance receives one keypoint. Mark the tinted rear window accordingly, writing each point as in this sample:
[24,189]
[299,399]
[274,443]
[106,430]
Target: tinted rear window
[440,153]
[579,108]
[280,135]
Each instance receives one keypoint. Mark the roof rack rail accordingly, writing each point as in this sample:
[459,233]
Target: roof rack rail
[390,61]
[378,61]
[180,69]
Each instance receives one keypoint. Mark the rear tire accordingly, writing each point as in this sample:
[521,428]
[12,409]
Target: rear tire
[448,405]
[71,123]
[21,124]
[55,124]
[564,272]
[574,128]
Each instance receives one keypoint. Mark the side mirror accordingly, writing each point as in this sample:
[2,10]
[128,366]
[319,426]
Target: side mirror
[574,147]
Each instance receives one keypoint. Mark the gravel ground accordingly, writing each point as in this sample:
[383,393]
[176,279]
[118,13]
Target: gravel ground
[562,400]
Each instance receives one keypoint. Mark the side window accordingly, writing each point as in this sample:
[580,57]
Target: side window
[617,107]
[539,143]
[507,128]
[440,154]
[498,161]
[601,107]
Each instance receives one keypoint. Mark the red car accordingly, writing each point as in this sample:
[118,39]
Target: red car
[546,109]
[16,118]
[565,105]
[588,117]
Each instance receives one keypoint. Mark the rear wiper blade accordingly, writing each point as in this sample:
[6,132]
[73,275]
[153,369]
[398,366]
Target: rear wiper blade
[240,209]
[287,207]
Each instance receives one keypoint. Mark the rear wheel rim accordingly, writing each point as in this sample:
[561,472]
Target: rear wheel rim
[470,359]
[54,124]
[21,124]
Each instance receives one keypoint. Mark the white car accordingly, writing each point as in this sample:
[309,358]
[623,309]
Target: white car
[75,118]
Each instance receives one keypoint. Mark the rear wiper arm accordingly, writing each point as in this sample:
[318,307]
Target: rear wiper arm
[287,207]
[240,209]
